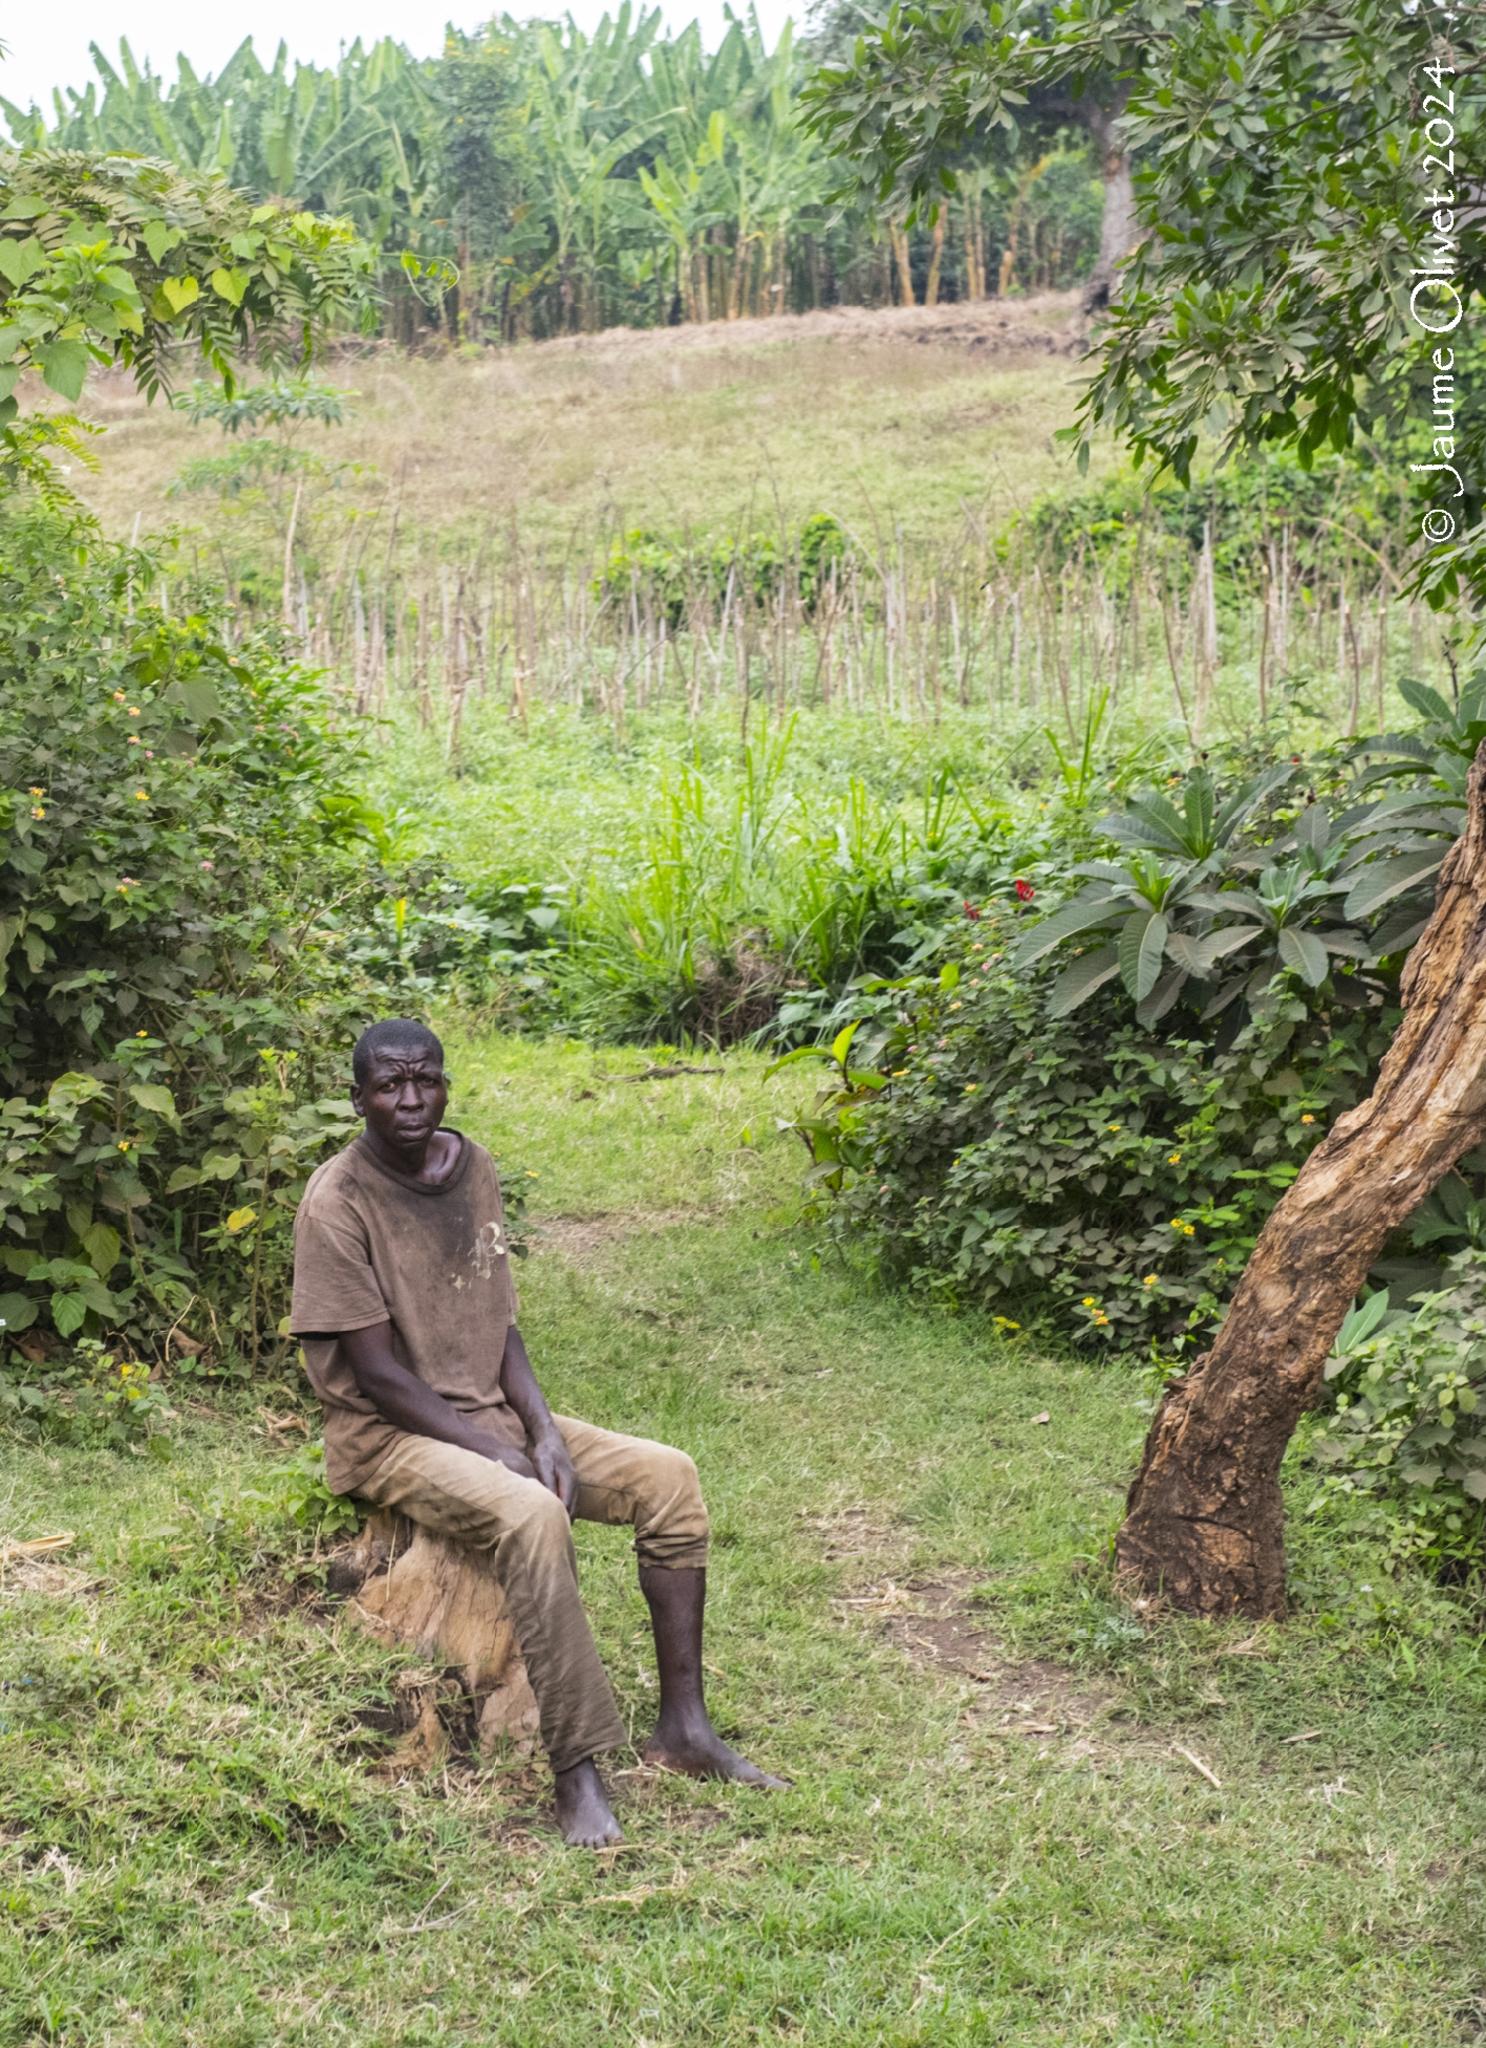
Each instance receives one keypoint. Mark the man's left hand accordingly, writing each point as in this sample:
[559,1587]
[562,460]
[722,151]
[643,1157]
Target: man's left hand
[552,1465]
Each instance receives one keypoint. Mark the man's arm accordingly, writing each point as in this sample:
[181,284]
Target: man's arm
[548,1453]
[411,1405]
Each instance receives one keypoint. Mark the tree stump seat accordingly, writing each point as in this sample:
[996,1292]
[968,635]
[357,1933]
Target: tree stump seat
[441,1598]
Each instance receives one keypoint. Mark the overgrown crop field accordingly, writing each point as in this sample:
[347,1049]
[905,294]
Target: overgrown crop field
[1020,1813]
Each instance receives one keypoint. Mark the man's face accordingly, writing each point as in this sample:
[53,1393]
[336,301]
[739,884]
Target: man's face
[404,1099]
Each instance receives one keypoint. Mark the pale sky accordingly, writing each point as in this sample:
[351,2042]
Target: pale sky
[48,45]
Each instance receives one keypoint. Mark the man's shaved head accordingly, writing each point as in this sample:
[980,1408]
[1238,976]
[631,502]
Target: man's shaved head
[392,1034]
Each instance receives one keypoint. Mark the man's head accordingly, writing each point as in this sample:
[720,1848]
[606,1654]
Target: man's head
[398,1083]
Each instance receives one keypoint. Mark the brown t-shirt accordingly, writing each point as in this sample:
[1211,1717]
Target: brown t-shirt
[374,1245]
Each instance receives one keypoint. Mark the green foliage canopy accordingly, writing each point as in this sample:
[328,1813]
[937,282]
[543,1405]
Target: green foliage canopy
[126,260]
[1294,165]
[572,179]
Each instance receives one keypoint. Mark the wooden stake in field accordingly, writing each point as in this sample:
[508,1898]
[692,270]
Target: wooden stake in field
[1204,1527]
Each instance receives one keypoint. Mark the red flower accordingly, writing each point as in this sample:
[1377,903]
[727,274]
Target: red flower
[1024,890]
[972,913]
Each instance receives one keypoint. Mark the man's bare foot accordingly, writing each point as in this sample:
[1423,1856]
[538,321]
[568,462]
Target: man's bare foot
[700,1752]
[583,1811]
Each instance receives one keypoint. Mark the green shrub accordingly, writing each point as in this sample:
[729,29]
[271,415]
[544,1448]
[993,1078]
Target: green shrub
[88,1397]
[1085,1172]
[671,579]
[173,1006]
[1403,1448]
[1128,524]
[292,1492]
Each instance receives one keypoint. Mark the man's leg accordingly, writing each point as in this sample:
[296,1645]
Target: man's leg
[655,1488]
[523,1528]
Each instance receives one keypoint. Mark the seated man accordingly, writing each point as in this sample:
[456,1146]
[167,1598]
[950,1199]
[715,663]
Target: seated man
[404,1303]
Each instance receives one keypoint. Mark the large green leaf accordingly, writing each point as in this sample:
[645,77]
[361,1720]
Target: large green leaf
[1162,996]
[1200,956]
[64,366]
[102,1244]
[1382,880]
[1142,948]
[1426,701]
[69,1313]
[1083,914]
[1152,824]
[17,1313]
[1304,954]
[153,1096]
[1078,982]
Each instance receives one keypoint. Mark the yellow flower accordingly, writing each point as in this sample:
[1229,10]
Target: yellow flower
[1005,1323]
[957,1006]
[1151,1280]
[532,1174]
[1088,1301]
[1177,1223]
[1173,1159]
[1189,1229]
[134,711]
[123,1144]
[971,1086]
[36,790]
[37,811]
[1101,1322]
[118,696]
[141,796]
[1307,1119]
[1112,1127]
[141,1034]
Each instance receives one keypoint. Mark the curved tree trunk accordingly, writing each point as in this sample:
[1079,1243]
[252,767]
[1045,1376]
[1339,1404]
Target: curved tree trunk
[1204,1525]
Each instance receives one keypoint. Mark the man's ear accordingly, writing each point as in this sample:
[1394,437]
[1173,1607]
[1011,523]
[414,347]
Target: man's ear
[356,1102]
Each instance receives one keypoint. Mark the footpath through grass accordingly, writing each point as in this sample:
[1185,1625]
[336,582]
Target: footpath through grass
[1020,1815]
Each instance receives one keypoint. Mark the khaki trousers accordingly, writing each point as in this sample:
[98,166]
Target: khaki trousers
[523,1528]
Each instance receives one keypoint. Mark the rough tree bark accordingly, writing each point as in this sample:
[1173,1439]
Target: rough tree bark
[414,1587]
[1204,1525]
[1117,224]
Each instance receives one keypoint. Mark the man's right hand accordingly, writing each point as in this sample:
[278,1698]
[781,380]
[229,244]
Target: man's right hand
[409,1404]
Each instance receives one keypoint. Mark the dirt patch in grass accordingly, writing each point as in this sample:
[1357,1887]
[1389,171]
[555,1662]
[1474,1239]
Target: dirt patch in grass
[849,1532]
[40,1566]
[932,1622]
[579,1237]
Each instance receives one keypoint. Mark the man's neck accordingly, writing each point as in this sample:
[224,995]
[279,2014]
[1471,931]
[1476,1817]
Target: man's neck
[431,1161]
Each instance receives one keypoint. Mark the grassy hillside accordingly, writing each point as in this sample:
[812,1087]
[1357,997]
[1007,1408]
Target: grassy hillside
[899,417]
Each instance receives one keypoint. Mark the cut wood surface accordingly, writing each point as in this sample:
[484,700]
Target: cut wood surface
[1204,1526]
[443,1600]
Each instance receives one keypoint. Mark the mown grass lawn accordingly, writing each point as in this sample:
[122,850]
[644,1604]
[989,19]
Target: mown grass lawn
[1020,1814]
